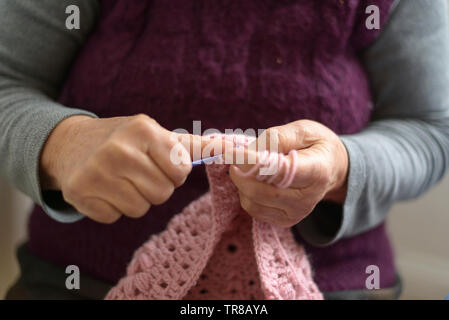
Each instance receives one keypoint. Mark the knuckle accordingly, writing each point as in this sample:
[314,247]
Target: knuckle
[171,141]
[176,153]
[143,124]
[142,119]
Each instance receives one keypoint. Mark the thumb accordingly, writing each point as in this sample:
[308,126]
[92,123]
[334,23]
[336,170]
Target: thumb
[200,147]
[295,135]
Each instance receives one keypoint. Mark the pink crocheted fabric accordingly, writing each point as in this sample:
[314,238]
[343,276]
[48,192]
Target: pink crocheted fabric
[214,250]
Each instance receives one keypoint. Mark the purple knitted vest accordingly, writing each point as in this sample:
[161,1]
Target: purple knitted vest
[231,64]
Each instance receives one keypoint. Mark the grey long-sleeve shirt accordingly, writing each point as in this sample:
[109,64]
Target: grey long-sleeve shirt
[403,152]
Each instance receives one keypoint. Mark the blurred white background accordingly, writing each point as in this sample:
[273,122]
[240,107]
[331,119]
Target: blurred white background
[419,231]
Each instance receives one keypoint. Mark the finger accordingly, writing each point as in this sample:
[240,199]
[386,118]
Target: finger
[135,167]
[151,182]
[120,193]
[310,169]
[263,213]
[98,210]
[298,135]
[272,168]
[146,135]
[295,135]
[200,147]
[182,149]
[265,194]
[170,156]
[144,174]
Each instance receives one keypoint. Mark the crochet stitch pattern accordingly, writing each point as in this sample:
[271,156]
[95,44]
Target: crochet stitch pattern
[214,250]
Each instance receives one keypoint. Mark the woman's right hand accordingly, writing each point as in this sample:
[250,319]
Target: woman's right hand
[113,166]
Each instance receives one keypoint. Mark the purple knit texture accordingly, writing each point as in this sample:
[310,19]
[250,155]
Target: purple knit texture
[230,64]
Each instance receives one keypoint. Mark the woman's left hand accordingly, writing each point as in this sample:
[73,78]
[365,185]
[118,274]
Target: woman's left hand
[321,173]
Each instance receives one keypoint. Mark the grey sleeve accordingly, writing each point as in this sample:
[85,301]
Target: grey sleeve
[36,51]
[405,149]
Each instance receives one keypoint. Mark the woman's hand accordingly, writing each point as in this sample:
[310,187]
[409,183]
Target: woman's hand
[113,166]
[321,173]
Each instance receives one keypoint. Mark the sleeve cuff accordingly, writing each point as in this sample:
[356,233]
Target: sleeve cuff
[330,222]
[54,206]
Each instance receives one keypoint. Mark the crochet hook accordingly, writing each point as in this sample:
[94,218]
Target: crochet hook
[205,160]
[209,159]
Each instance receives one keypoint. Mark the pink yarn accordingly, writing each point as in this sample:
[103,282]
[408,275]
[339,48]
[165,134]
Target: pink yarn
[214,250]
